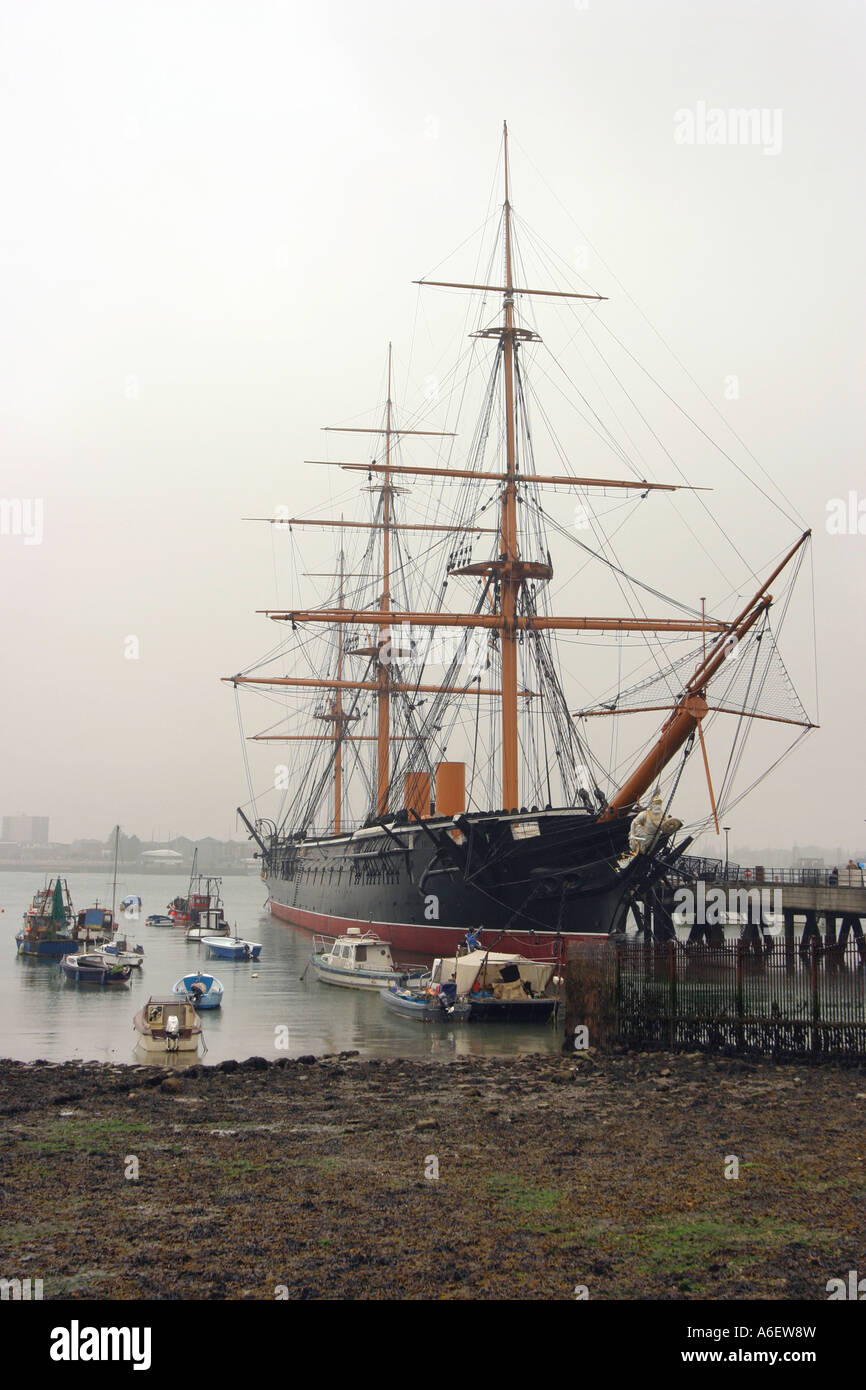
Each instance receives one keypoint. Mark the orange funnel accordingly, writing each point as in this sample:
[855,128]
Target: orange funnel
[450,789]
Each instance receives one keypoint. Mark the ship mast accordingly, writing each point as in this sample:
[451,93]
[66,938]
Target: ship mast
[509,580]
[383,700]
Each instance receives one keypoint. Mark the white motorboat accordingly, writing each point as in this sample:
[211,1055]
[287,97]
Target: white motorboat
[359,960]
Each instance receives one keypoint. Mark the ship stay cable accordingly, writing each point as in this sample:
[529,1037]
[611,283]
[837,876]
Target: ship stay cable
[799,520]
[583,327]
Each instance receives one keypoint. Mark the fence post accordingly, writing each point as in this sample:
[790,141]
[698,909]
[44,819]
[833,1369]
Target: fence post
[618,988]
[816,1003]
[740,1004]
[672,947]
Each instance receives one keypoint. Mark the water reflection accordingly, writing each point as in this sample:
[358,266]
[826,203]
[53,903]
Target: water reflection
[266,1003]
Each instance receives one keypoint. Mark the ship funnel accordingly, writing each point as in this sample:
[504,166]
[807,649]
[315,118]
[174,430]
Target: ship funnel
[416,792]
[450,789]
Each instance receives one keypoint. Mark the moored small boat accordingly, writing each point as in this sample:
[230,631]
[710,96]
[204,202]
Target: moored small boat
[211,923]
[159,919]
[499,987]
[96,924]
[201,990]
[199,933]
[428,1005]
[359,961]
[232,947]
[478,987]
[202,905]
[121,951]
[48,928]
[168,1026]
[95,968]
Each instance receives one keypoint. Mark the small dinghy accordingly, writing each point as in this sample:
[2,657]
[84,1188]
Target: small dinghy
[201,990]
[159,919]
[428,1005]
[168,1026]
[232,947]
[95,968]
[359,961]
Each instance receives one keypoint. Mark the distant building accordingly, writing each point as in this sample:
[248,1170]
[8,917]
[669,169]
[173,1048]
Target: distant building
[25,830]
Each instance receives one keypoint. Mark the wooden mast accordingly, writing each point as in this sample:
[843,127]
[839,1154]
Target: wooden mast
[509,582]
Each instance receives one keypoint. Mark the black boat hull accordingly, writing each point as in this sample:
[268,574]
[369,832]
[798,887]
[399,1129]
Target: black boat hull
[529,883]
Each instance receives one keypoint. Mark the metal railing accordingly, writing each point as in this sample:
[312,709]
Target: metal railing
[691,867]
[807,1002]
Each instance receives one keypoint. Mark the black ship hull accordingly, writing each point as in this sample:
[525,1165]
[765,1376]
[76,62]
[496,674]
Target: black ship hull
[530,883]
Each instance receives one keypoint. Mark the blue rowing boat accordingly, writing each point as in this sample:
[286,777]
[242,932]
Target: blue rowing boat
[424,1005]
[201,990]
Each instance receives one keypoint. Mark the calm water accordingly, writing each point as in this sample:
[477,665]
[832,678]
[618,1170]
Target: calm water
[44,1015]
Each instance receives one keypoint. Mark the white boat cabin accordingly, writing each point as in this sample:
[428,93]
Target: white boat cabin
[356,950]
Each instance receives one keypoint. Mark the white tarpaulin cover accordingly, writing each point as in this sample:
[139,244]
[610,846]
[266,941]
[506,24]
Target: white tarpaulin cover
[466,968]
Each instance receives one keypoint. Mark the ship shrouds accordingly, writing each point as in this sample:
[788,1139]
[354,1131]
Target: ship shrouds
[441,780]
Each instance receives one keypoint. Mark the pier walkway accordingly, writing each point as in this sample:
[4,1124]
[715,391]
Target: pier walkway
[827,904]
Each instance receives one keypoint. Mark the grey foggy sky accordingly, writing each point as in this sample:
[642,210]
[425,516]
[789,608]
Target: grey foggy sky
[212,214]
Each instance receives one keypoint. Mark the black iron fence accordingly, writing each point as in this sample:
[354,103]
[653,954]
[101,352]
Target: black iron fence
[800,1003]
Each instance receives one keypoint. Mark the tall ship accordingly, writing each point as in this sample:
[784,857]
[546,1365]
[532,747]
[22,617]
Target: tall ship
[447,767]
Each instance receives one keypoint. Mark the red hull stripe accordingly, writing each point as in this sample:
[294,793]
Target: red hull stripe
[432,940]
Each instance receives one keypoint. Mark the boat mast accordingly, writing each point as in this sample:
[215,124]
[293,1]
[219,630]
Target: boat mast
[383,699]
[510,583]
[114,884]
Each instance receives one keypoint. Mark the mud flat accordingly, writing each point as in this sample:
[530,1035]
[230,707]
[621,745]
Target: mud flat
[314,1178]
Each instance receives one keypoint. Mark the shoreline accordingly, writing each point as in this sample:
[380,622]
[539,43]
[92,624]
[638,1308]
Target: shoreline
[492,1177]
